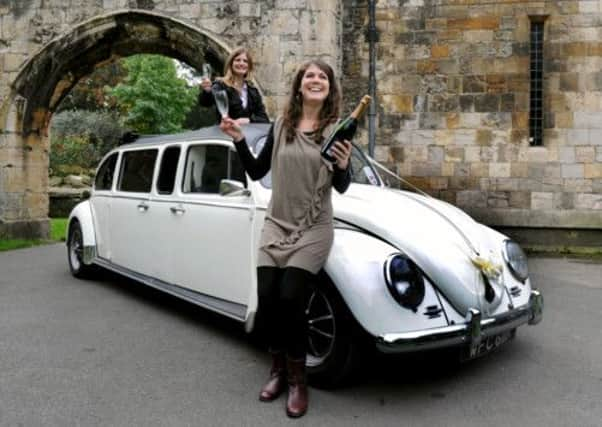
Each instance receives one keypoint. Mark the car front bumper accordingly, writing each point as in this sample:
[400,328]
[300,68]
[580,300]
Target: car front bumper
[470,333]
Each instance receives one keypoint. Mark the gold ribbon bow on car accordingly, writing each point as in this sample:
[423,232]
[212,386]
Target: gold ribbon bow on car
[487,267]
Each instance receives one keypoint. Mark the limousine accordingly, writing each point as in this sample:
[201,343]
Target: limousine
[406,270]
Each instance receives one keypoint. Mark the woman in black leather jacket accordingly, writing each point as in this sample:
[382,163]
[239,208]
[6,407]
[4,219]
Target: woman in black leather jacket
[244,101]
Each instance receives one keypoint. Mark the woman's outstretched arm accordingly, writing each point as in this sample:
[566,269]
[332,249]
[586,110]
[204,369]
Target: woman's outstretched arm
[256,167]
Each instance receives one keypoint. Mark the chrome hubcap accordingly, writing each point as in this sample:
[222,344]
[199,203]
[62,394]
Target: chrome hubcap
[75,249]
[321,328]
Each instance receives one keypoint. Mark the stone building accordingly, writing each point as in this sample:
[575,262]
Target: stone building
[494,106]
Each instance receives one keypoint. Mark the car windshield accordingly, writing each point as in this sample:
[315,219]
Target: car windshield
[362,171]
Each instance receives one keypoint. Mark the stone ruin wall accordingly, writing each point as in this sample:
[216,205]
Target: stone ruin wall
[281,33]
[453,102]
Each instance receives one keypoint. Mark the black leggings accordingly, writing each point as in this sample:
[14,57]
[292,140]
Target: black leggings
[281,308]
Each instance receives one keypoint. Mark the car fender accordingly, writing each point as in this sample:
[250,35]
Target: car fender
[82,212]
[356,267]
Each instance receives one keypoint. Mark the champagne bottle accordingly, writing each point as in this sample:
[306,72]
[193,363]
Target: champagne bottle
[345,129]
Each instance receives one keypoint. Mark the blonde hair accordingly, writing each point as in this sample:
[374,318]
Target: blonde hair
[228,74]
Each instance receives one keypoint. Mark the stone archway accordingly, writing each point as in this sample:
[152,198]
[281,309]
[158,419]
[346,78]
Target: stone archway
[50,74]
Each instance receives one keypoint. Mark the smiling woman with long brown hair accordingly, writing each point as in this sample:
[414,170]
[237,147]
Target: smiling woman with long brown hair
[298,230]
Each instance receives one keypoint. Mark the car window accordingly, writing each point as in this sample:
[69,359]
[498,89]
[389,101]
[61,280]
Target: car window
[167,170]
[136,173]
[207,165]
[106,171]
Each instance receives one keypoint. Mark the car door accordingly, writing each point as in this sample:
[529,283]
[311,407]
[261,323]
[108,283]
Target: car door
[131,222]
[212,242]
[163,205]
[101,204]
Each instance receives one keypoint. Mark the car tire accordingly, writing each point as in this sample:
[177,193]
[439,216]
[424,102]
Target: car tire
[335,339]
[75,252]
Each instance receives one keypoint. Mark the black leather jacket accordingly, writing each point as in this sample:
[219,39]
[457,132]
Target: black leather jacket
[255,110]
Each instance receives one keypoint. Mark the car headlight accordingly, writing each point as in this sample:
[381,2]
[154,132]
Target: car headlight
[404,281]
[516,260]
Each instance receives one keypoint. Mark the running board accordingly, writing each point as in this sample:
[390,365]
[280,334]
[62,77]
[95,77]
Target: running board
[227,308]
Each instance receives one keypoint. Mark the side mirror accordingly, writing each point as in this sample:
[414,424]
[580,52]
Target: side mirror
[86,194]
[229,187]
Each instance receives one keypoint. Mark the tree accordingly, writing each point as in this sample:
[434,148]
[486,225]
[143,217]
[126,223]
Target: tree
[89,92]
[153,99]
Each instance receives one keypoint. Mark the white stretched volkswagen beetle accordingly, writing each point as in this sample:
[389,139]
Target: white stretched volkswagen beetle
[408,271]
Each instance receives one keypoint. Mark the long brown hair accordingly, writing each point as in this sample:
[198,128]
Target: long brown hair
[228,74]
[294,108]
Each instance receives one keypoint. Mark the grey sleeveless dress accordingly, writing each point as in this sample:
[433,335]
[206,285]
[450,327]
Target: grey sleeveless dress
[298,229]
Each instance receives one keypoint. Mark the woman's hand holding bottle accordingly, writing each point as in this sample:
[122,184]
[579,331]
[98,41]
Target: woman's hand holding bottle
[341,151]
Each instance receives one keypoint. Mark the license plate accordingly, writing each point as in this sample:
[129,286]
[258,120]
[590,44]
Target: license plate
[489,344]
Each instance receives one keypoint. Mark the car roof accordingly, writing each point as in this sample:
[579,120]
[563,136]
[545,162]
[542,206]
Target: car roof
[253,132]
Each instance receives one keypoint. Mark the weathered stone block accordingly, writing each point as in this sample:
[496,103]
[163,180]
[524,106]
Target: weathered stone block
[423,137]
[426,169]
[587,201]
[572,171]
[471,198]
[564,120]
[487,103]
[499,170]
[577,136]
[462,170]
[567,154]
[507,153]
[478,169]
[432,120]
[467,103]
[520,199]
[416,153]
[569,82]
[472,154]
[474,84]
[585,154]
[594,137]
[542,200]
[454,154]
[578,185]
[477,23]
[519,170]
[465,137]
[489,154]
[593,170]
[447,169]
[435,154]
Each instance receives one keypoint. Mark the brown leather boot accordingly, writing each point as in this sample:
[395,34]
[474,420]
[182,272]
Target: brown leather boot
[275,385]
[296,404]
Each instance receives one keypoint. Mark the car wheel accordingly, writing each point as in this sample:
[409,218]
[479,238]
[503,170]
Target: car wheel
[333,347]
[75,253]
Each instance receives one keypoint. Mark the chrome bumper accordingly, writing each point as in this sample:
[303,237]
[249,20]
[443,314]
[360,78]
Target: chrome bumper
[470,333]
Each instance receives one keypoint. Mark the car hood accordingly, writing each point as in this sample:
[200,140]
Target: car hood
[437,236]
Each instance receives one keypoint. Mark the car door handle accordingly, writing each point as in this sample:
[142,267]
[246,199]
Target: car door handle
[177,210]
[142,207]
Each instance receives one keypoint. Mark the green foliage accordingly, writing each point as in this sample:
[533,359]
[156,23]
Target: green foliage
[72,151]
[153,98]
[81,139]
[58,229]
[89,92]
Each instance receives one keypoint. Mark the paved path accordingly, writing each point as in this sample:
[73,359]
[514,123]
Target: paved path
[111,352]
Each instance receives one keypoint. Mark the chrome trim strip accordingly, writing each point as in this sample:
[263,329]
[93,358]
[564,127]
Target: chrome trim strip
[184,200]
[227,308]
[470,333]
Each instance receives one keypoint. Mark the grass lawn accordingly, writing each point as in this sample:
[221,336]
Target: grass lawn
[57,233]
